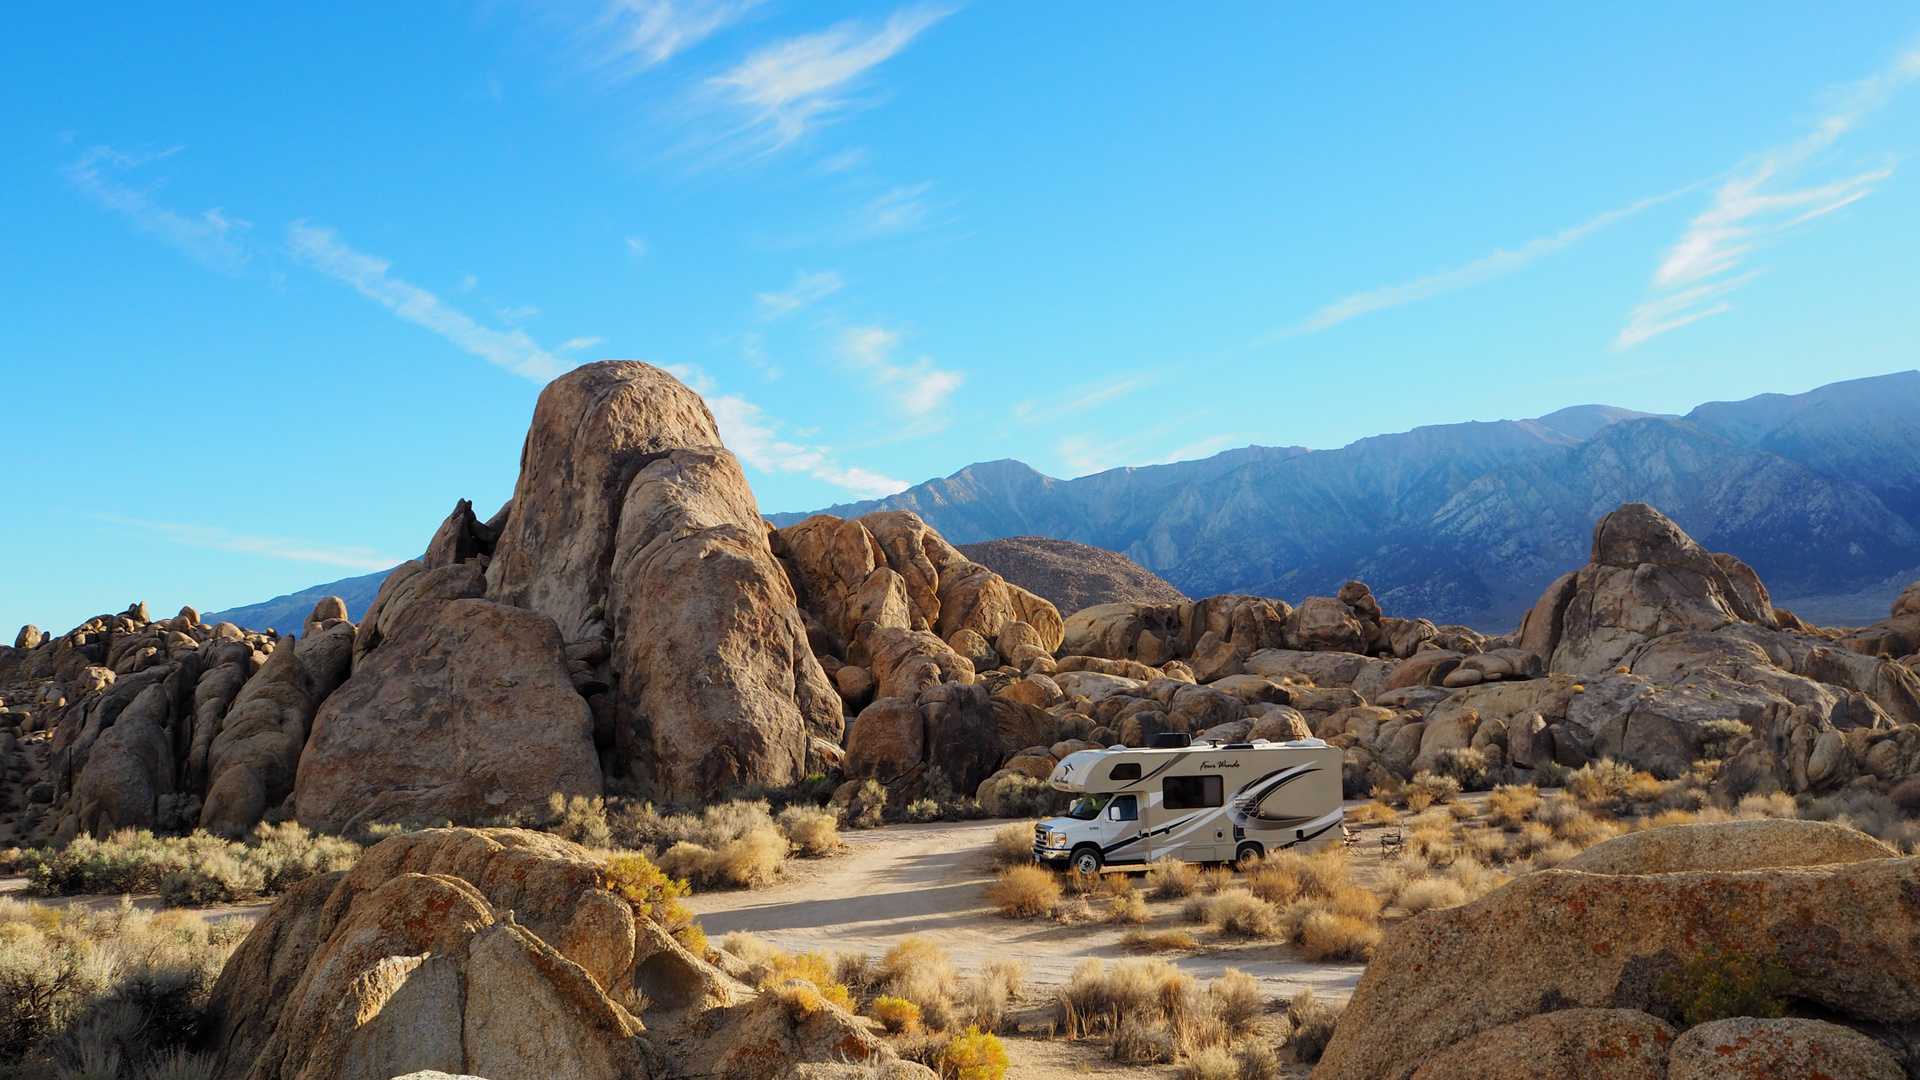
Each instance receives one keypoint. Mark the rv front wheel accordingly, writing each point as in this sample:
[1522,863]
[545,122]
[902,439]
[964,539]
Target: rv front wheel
[1248,854]
[1087,860]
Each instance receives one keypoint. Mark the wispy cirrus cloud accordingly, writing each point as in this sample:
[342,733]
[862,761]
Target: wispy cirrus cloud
[789,87]
[805,290]
[631,36]
[319,247]
[211,238]
[918,387]
[755,438]
[207,536]
[1756,205]
[1499,264]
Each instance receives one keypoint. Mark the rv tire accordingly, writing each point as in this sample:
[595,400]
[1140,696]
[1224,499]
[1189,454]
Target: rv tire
[1248,854]
[1086,859]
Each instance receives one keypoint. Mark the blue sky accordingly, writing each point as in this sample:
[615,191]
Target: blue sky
[281,285]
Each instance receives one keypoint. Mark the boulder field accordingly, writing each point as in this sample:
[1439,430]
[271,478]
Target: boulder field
[629,621]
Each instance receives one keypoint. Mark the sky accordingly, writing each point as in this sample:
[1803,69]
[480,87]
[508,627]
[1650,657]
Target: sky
[283,282]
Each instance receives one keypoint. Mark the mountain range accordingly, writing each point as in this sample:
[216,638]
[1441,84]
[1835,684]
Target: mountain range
[1819,492]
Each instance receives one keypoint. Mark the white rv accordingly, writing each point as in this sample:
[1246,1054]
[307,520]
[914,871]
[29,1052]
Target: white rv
[1207,803]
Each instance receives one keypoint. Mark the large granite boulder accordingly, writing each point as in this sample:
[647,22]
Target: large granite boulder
[1747,1047]
[1733,845]
[1847,936]
[466,712]
[1571,1044]
[631,520]
[497,953]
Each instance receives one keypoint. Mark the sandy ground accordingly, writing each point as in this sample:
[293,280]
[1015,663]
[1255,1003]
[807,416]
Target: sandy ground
[903,880]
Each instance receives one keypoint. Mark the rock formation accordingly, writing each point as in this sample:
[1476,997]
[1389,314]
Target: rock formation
[1071,576]
[500,953]
[1448,986]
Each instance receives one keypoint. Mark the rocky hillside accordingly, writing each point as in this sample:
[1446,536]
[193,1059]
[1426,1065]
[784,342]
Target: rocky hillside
[1072,576]
[1819,492]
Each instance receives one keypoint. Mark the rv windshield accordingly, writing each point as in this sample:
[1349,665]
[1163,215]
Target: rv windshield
[1089,808]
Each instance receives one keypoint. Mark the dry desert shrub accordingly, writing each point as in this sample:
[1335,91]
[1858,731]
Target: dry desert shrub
[1466,767]
[1152,941]
[855,970]
[772,968]
[1777,805]
[1210,1063]
[733,844]
[1485,845]
[1255,1060]
[197,869]
[1135,1043]
[1275,883]
[1242,914]
[1554,854]
[1216,879]
[580,819]
[1441,789]
[1428,894]
[1129,908]
[1012,845]
[1236,1001]
[1025,892]
[813,830]
[921,972]
[1372,813]
[1416,799]
[124,986]
[1171,879]
[1510,806]
[1355,902]
[1327,935]
[1099,995]
[1312,1024]
[983,1000]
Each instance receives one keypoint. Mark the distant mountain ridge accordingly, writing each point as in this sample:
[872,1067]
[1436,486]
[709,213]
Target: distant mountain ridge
[288,613]
[1820,492]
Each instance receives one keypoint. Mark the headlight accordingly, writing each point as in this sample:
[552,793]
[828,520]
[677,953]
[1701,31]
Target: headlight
[1058,840]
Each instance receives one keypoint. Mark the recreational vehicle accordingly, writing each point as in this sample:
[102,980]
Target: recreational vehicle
[1207,803]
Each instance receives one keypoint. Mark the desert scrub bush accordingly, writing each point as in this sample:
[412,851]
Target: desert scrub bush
[1779,804]
[866,806]
[921,972]
[1172,879]
[1134,1042]
[1024,892]
[1236,1000]
[812,830]
[1275,881]
[1129,909]
[1430,893]
[1716,983]
[579,819]
[124,985]
[1442,789]
[1216,879]
[922,810]
[1311,1023]
[983,999]
[1209,1063]
[1255,1060]
[1152,941]
[1464,766]
[898,1015]
[1012,845]
[196,869]
[1715,739]
[1510,806]
[751,859]
[1572,822]
[1327,935]
[1099,996]
[1373,813]
[1612,781]
[1242,914]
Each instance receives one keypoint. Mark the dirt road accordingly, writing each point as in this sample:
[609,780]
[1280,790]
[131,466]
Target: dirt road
[903,880]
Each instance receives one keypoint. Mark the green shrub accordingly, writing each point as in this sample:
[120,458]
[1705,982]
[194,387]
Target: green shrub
[973,1055]
[898,1015]
[197,869]
[1717,983]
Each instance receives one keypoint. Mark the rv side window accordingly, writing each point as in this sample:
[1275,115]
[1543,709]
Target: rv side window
[1126,770]
[1192,792]
[1124,808]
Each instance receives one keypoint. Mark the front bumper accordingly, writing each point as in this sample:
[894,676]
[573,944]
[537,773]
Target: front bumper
[1050,855]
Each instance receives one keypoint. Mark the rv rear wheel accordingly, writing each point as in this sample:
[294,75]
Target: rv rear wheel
[1248,854]
[1087,860]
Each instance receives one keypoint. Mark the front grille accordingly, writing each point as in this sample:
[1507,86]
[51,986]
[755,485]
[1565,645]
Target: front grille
[1040,836]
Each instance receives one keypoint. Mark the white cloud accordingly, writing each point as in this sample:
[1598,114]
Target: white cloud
[636,247]
[1754,206]
[901,210]
[576,344]
[1498,264]
[206,536]
[755,438]
[319,248]
[918,387]
[211,239]
[1078,399]
[634,35]
[789,87]
[806,289]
